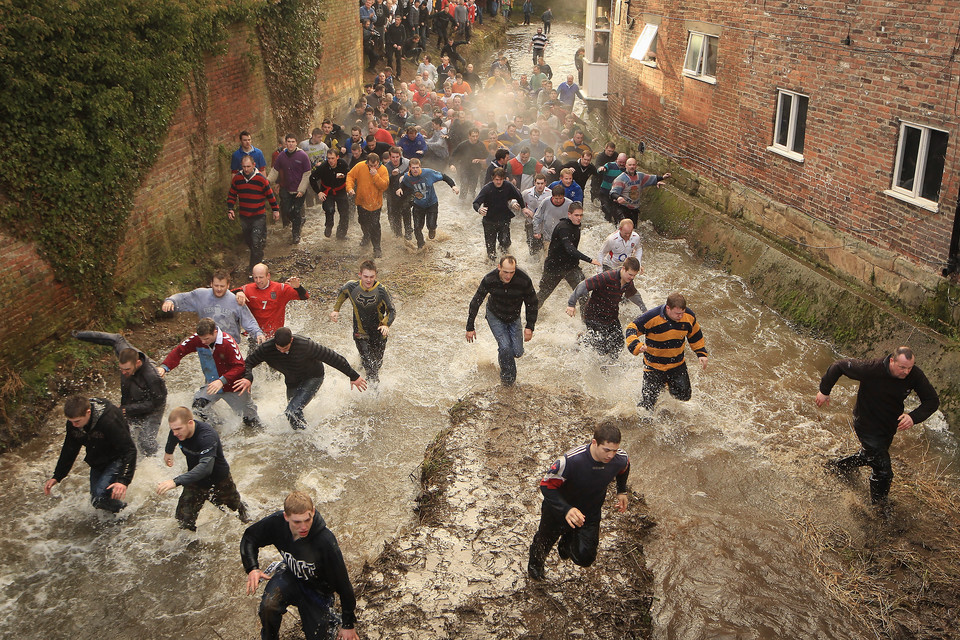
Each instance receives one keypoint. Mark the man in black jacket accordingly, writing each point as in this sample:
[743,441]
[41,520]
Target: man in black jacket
[563,256]
[329,181]
[300,360]
[878,413]
[99,426]
[394,38]
[509,289]
[143,393]
[312,570]
[208,473]
[497,202]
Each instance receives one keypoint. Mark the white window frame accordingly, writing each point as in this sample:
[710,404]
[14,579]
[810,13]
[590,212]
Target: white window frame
[646,41]
[913,196]
[697,71]
[787,151]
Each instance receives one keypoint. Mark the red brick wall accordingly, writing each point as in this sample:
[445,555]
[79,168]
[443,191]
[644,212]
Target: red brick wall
[340,76]
[188,182]
[898,67]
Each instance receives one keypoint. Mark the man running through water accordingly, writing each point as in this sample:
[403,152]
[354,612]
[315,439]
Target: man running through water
[373,313]
[420,182]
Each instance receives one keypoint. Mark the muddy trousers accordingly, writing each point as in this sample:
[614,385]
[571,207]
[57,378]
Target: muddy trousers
[291,211]
[579,545]
[341,203]
[676,379]
[371,348]
[606,338]
[285,589]
[878,459]
[399,216]
[370,225]
[254,236]
[626,212]
[101,477]
[550,279]
[535,244]
[495,231]
[426,215]
[222,493]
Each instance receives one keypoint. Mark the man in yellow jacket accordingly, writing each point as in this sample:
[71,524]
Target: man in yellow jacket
[367,181]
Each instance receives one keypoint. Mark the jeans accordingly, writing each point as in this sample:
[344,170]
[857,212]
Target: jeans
[242,404]
[100,478]
[509,338]
[370,225]
[875,455]
[224,492]
[496,231]
[398,214]
[341,203]
[291,210]
[145,430]
[254,236]
[371,348]
[676,379]
[580,544]
[298,396]
[285,589]
[421,215]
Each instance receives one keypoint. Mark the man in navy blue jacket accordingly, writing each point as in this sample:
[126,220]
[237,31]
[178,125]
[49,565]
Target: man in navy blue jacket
[312,570]
[573,492]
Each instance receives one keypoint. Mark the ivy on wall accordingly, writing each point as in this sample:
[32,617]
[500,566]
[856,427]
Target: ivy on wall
[290,38]
[90,88]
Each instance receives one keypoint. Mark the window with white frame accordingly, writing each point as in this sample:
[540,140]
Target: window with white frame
[701,60]
[790,129]
[918,173]
[646,48]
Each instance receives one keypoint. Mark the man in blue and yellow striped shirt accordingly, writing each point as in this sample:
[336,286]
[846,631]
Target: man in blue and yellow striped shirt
[664,329]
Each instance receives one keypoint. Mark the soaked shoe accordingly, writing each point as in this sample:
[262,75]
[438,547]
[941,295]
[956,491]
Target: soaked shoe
[377,253]
[253,423]
[432,234]
[295,239]
[327,232]
[536,572]
[243,514]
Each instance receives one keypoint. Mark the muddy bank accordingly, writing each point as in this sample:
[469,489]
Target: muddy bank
[461,571]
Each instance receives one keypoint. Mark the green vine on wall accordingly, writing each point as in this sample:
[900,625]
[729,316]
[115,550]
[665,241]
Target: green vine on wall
[90,91]
[290,38]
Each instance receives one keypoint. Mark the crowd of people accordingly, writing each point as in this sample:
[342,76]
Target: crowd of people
[530,158]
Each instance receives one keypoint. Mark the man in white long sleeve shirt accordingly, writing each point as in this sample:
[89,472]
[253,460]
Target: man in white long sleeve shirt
[219,303]
[549,213]
[532,198]
[621,244]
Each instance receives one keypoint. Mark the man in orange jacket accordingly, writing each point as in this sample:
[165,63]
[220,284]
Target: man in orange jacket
[367,181]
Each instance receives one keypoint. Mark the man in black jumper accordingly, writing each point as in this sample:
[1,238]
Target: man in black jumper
[143,393]
[878,413]
[312,570]
[300,360]
[601,314]
[563,256]
[497,202]
[573,492]
[208,474]
[329,181]
[99,426]
[509,289]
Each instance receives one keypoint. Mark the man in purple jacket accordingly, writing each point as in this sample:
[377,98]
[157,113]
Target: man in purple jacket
[293,164]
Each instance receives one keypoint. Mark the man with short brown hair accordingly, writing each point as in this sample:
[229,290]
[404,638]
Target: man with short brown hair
[311,571]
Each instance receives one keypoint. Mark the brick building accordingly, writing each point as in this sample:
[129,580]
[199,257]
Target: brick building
[830,124]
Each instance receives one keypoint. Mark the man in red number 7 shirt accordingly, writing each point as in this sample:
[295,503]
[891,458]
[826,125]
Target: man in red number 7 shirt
[268,300]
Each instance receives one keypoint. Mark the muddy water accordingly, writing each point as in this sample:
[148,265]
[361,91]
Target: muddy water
[728,475]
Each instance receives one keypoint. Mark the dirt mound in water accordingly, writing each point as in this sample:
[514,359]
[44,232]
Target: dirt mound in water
[461,573]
